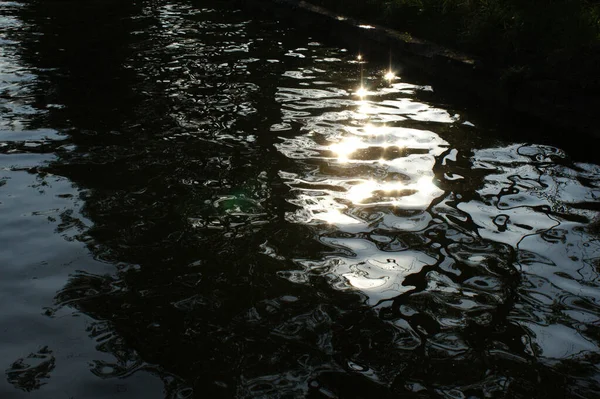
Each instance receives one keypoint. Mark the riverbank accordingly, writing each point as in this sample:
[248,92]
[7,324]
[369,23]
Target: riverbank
[526,39]
[521,66]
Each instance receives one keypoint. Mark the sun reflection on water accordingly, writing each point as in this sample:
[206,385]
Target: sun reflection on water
[372,130]
[336,217]
[362,191]
[346,147]
[407,195]
[361,92]
[364,110]
[374,170]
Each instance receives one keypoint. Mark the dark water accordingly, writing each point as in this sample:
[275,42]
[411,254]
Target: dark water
[195,202]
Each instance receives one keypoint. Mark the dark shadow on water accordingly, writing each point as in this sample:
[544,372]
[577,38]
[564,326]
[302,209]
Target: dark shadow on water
[171,150]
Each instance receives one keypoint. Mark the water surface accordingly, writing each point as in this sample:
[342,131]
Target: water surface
[198,201]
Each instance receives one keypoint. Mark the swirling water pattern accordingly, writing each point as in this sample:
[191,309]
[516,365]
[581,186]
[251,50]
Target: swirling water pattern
[204,203]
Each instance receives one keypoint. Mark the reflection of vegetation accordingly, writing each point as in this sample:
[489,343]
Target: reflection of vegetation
[29,374]
[553,39]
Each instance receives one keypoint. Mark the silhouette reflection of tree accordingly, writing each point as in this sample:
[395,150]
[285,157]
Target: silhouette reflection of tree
[29,373]
[183,215]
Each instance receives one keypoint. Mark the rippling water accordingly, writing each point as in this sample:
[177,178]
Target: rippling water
[198,200]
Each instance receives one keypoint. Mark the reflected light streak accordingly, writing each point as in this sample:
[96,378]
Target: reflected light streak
[346,147]
[379,136]
[370,130]
[375,131]
[425,186]
[426,192]
[334,216]
[365,190]
[361,191]
[364,110]
[425,189]
[365,283]
[361,92]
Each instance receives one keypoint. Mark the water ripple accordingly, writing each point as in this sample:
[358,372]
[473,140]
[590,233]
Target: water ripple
[258,213]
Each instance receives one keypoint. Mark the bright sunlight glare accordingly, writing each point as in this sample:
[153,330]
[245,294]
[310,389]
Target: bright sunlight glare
[361,92]
[346,147]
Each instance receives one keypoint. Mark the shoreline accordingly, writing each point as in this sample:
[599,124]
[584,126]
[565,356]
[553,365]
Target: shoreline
[560,109]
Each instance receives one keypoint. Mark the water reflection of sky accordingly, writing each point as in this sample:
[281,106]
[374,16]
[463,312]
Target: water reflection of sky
[364,176]
[363,170]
